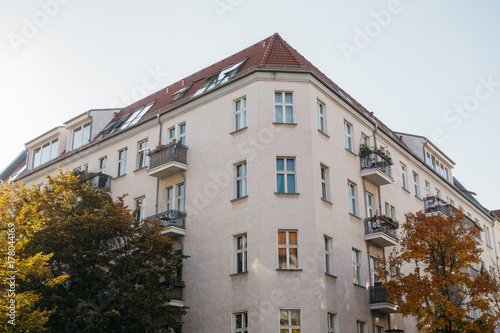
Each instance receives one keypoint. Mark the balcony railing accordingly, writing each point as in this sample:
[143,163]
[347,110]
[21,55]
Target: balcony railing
[378,294]
[381,224]
[436,204]
[171,218]
[375,160]
[173,152]
[176,293]
[97,180]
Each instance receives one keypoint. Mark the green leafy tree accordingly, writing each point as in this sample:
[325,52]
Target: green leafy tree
[22,274]
[436,284]
[120,269]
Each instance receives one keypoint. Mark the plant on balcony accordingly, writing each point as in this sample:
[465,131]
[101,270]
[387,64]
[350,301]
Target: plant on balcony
[364,149]
[434,283]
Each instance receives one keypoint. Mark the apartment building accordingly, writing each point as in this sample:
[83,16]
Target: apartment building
[281,188]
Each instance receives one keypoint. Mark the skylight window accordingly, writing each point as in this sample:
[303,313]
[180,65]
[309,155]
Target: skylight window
[181,93]
[223,76]
[136,116]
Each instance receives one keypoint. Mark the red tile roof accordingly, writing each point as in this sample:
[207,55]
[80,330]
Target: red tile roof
[270,53]
[496,213]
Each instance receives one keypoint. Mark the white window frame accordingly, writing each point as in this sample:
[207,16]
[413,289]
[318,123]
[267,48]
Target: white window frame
[244,322]
[181,192]
[122,162]
[427,189]
[387,209]
[136,116]
[53,152]
[373,270]
[352,198]
[170,198]
[393,212]
[174,198]
[361,326]
[348,141]
[240,113]
[365,140]
[357,268]
[332,322]
[289,327]
[283,105]
[287,246]
[487,235]
[178,132]
[240,180]
[141,214]
[416,184]
[325,182]
[329,255]
[285,172]
[321,116]
[82,139]
[243,251]
[103,163]
[369,204]
[142,154]
[404,178]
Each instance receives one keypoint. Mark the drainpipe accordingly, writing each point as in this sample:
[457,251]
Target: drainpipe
[91,123]
[423,149]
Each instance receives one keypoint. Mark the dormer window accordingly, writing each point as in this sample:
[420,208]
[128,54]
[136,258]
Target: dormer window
[137,115]
[221,77]
[45,153]
[81,136]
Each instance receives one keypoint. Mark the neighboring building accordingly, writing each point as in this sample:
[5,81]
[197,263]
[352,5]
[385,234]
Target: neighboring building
[15,168]
[291,191]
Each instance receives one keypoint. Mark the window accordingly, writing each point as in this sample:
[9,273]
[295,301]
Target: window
[487,235]
[332,322]
[365,140]
[240,113]
[321,117]
[136,116]
[180,197]
[373,270]
[283,107]
[404,180]
[181,129]
[240,322]
[142,158]
[223,76]
[427,189]
[329,256]
[387,209]
[348,137]
[285,175]
[122,162]
[352,192]
[438,193]
[379,329]
[288,256]
[170,198]
[81,136]
[361,327]
[289,321]
[241,180]
[45,153]
[171,134]
[182,135]
[393,213]
[356,267]
[181,93]
[325,183]
[416,186]
[369,204]
[240,254]
[103,162]
[140,204]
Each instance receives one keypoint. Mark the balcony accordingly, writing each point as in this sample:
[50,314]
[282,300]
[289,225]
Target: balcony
[176,295]
[376,167]
[379,299]
[97,180]
[172,222]
[381,231]
[168,159]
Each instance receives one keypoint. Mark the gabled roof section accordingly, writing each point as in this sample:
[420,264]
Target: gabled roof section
[271,53]
[469,195]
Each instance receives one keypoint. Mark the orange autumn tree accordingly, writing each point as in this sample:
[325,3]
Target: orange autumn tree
[431,279]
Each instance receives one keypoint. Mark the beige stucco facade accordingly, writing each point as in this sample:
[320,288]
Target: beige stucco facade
[213,291]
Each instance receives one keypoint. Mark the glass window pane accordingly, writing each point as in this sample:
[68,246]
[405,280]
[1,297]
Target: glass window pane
[282,237]
[280,179]
[278,111]
[295,314]
[183,128]
[294,263]
[86,134]
[282,258]
[238,121]
[244,120]
[292,237]
[278,98]
[54,149]
[45,153]
[289,114]
[290,165]
[288,98]
[290,183]
[280,164]
[238,105]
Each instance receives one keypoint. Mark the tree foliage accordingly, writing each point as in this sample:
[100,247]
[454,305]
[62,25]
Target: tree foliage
[120,270]
[436,275]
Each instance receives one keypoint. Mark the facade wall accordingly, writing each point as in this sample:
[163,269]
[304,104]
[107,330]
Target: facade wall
[212,292]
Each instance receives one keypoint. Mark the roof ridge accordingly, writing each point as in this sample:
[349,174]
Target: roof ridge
[268,49]
[291,50]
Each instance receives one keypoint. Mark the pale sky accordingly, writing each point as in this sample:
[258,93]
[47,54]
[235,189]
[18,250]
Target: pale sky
[424,67]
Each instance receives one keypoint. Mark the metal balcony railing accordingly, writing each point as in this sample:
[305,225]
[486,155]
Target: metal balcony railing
[378,294]
[381,224]
[97,180]
[176,293]
[436,204]
[373,159]
[171,218]
[173,152]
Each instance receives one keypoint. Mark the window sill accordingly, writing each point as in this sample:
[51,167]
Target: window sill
[359,286]
[321,132]
[355,216]
[120,176]
[331,275]
[351,152]
[326,201]
[404,188]
[144,167]
[287,194]
[239,274]
[240,198]
[289,270]
[239,130]
[419,198]
[285,124]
